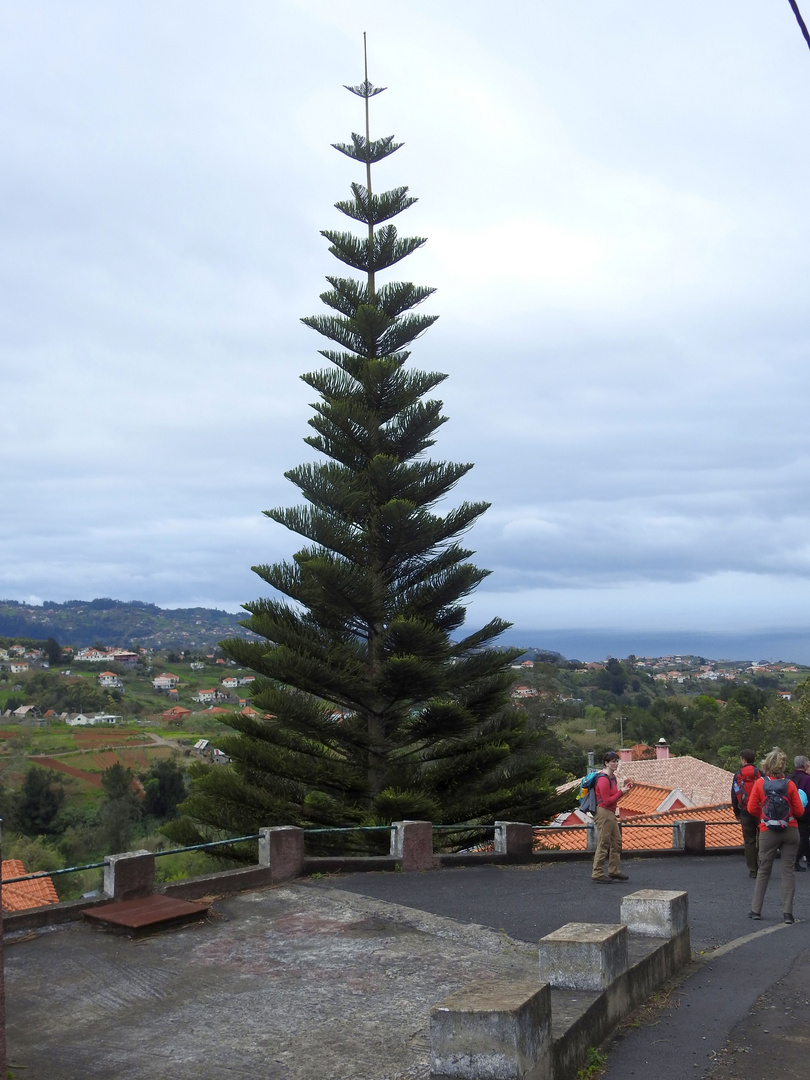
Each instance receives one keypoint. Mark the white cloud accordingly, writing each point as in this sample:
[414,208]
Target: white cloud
[613,207]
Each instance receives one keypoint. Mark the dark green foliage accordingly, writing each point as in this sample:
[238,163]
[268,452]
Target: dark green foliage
[49,690]
[38,802]
[370,710]
[613,677]
[164,787]
[121,808]
[54,651]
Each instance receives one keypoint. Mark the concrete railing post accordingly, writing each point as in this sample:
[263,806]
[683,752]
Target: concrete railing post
[591,836]
[514,839]
[412,844]
[694,836]
[501,1031]
[282,849]
[583,956]
[656,913]
[129,875]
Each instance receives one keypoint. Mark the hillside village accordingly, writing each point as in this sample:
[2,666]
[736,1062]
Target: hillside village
[142,710]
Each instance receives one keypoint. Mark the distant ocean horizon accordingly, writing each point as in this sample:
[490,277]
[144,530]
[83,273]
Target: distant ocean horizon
[766,645]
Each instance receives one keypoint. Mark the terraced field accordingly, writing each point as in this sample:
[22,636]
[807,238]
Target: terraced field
[88,765]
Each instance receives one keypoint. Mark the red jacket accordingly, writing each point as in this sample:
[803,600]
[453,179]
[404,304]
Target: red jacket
[756,798]
[607,792]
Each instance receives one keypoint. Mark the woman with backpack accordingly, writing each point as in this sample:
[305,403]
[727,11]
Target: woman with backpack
[775,800]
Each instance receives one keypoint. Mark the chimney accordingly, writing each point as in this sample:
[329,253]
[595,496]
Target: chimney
[662,749]
[626,755]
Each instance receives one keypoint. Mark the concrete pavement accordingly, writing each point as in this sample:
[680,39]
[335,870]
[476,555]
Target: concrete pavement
[334,978]
[748,992]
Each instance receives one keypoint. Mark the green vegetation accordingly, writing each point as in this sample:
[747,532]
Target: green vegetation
[379,710]
[595,1064]
[48,826]
[581,709]
[79,623]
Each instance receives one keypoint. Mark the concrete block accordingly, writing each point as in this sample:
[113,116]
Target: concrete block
[655,912]
[689,836]
[412,844]
[514,839]
[591,837]
[499,1031]
[583,956]
[282,849]
[129,875]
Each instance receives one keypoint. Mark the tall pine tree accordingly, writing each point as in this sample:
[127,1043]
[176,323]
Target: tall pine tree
[373,711]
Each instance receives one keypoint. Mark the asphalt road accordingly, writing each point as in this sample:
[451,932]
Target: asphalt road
[746,997]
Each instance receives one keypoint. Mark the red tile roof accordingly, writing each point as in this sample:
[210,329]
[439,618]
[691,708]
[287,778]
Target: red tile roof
[22,895]
[721,831]
[643,799]
[704,784]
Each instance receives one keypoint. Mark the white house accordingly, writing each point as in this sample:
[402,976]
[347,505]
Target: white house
[80,720]
[166,681]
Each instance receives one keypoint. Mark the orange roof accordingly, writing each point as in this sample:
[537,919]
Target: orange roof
[704,784]
[721,831]
[25,894]
[643,799]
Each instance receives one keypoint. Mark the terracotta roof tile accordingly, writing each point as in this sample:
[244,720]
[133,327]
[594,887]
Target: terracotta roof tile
[700,782]
[643,799]
[22,895]
[704,784]
[721,831]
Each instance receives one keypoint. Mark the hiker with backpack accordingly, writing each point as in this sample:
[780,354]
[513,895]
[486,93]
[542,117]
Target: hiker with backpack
[775,800]
[741,787]
[801,778]
[608,792]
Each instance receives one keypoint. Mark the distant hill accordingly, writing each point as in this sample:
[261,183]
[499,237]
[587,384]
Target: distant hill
[114,622]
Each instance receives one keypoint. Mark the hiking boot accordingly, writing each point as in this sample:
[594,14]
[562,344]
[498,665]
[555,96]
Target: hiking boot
[619,877]
[788,918]
[601,881]
[800,869]
[754,915]
[752,873]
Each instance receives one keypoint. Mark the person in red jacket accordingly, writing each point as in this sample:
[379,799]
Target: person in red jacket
[608,792]
[741,787]
[780,837]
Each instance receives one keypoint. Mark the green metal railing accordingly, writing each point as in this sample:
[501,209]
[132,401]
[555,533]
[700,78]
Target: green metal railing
[478,829]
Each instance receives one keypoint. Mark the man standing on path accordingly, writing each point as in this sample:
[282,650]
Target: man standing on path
[741,787]
[801,778]
[608,793]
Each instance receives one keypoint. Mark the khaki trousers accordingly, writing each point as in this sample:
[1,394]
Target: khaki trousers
[786,843]
[610,843]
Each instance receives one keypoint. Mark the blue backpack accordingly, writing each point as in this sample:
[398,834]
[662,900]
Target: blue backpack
[587,793]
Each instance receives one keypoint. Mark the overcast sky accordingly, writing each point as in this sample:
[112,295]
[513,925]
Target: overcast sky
[615,195]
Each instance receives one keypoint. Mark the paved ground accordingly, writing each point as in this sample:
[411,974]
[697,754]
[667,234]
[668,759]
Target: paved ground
[333,979]
[746,1001]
